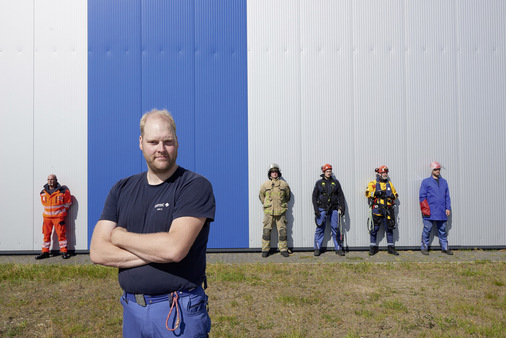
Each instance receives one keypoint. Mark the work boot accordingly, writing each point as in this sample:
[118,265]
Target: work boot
[391,250]
[317,252]
[65,255]
[285,253]
[373,250]
[265,254]
[340,252]
[43,255]
[425,252]
[447,251]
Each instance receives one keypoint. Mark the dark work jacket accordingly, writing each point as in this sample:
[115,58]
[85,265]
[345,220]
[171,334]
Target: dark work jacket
[328,195]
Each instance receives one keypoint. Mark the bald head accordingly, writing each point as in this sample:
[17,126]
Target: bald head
[51,181]
[162,114]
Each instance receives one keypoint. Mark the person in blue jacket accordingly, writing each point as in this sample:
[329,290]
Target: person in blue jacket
[435,204]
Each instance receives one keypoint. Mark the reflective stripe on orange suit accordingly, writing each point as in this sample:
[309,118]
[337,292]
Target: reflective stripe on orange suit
[55,211]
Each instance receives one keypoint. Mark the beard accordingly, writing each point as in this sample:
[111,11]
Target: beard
[161,167]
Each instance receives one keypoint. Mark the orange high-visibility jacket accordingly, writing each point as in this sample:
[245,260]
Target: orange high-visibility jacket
[57,203]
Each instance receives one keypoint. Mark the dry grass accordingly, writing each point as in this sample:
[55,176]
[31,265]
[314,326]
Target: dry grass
[274,300]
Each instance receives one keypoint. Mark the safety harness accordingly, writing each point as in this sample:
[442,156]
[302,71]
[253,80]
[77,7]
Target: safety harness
[328,196]
[384,208]
[379,205]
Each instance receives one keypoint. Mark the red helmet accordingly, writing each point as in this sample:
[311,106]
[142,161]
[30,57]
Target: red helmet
[326,167]
[382,169]
[435,165]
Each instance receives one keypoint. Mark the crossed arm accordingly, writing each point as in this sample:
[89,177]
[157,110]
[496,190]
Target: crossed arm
[115,246]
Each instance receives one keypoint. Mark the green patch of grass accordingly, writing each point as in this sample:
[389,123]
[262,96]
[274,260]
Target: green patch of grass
[17,329]
[360,267]
[295,300]
[352,334]
[332,318]
[231,276]
[446,322]
[491,295]
[482,261]
[300,332]
[394,305]
[498,283]
[26,272]
[364,313]
[471,272]
[374,297]
[265,326]
[227,320]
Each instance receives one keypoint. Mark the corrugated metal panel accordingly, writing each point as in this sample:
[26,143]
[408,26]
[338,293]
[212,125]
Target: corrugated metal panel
[45,41]
[114,97]
[431,103]
[326,106]
[16,125]
[379,103]
[482,121]
[168,68]
[192,62]
[401,83]
[274,122]
[355,83]
[221,131]
[60,110]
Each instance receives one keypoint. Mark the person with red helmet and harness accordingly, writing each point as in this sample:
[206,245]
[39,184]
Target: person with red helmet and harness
[381,195]
[328,203]
[435,205]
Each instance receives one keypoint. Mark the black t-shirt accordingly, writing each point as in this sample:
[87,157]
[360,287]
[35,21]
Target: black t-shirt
[142,208]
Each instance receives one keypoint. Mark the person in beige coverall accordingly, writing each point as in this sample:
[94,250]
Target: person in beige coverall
[274,195]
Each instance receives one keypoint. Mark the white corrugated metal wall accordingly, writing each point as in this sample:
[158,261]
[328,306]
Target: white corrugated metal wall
[43,120]
[356,83]
[362,83]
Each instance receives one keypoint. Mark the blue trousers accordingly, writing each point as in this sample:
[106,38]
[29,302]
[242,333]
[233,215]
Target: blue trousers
[153,319]
[321,222]
[378,221]
[441,229]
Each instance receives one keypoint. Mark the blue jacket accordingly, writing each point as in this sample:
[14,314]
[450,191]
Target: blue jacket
[435,199]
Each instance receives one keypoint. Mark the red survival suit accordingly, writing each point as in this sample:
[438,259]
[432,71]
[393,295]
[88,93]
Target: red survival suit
[56,202]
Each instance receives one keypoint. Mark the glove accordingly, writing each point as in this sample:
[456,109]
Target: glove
[379,194]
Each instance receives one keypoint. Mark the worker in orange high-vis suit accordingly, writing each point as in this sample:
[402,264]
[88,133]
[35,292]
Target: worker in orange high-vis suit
[56,201]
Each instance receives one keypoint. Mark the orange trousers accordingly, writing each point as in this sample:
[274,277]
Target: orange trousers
[47,230]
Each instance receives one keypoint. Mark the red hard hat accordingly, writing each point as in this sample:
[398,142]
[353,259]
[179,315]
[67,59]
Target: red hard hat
[435,165]
[326,167]
[382,169]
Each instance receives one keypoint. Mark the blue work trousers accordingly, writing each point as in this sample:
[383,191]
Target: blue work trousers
[378,222]
[153,319]
[441,229]
[321,222]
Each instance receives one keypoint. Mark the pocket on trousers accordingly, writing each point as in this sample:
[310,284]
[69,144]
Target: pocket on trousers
[197,304]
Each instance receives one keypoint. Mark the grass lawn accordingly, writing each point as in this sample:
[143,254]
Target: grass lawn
[274,300]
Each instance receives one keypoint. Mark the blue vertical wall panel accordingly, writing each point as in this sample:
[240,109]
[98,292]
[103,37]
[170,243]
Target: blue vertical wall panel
[168,68]
[114,98]
[186,56]
[221,115]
